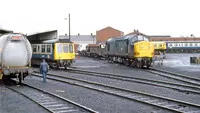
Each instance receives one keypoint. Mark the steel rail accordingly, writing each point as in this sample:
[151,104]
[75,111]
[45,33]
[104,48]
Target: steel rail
[176,76]
[171,85]
[150,99]
[29,98]
[52,102]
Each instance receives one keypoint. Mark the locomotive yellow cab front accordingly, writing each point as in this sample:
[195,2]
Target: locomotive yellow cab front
[143,49]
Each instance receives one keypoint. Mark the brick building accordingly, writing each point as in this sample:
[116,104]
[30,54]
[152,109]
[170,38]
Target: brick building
[106,33]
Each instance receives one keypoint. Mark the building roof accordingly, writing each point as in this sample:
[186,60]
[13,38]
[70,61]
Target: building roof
[110,28]
[135,32]
[75,38]
[38,33]
[41,36]
[3,31]
[159,36]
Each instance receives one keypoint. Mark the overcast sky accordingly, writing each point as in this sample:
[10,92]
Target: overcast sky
[152,17]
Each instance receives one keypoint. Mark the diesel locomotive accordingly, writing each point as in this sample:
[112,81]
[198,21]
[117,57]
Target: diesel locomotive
[15,56]
[133,49]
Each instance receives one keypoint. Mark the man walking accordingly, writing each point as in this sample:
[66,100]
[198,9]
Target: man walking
[44,68]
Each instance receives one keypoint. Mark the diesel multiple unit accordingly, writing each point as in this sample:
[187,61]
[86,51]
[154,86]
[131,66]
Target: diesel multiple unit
[159,46]
[57,52]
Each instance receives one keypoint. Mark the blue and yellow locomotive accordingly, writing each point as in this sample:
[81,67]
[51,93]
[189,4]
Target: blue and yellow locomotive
[57,52]
[134,50]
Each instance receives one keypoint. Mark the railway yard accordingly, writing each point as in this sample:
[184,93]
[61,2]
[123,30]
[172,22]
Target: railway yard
[102,57]
[95,85]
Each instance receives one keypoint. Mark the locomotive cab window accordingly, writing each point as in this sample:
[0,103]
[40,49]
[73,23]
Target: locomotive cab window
[142,38]
[59,48]
[71,48]
[65,48]
[134,39]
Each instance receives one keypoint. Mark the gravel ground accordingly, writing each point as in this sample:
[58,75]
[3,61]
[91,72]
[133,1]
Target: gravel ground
[180,63]
[138,87]
[98,101]
[89,64]
[11,102]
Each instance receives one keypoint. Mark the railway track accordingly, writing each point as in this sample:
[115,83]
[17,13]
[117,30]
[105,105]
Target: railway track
[49,101]
[175,86]
[150,99]
[176,76]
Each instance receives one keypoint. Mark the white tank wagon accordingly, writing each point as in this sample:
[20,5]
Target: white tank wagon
[15,56]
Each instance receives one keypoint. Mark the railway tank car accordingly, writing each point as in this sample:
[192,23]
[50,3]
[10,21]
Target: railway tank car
[15,56]
[135,49]
[57,52]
